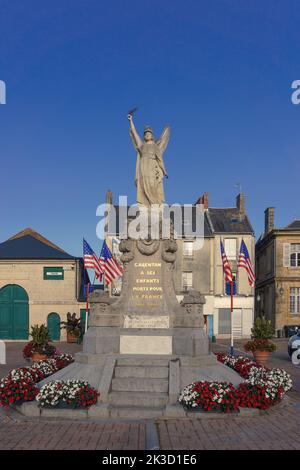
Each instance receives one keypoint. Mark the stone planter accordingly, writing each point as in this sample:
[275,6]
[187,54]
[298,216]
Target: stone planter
[62,405]
[71,337]
[38,357]
[261,357]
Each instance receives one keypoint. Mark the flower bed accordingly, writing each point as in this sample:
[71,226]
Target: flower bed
[209,396]
[72,393]
[20,384]
[261,388]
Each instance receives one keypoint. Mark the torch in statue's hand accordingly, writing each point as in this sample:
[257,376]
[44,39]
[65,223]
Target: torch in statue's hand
[130,113]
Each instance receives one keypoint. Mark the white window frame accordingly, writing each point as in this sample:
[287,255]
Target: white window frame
[295,253]
[187,280]
[230,247]
[295,300]
[188,248]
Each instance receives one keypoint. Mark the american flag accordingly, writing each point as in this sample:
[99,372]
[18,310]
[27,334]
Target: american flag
[109,265]
[245,262]
[226,266]
[91,260]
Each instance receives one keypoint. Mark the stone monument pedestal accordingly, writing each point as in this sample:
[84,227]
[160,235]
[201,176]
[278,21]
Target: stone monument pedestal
[147,318]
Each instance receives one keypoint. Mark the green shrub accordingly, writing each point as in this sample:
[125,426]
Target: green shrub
[262,328]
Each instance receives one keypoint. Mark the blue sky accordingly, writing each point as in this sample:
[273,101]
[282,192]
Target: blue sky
[219,72]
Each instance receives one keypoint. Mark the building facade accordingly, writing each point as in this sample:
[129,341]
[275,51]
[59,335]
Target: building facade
[39,283]
[202,269]
[278,274]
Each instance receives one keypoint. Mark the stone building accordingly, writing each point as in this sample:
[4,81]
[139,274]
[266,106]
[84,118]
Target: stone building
[278,274]
[202,269]
[39,283]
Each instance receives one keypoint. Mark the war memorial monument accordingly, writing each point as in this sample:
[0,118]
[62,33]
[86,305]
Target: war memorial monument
[143,347]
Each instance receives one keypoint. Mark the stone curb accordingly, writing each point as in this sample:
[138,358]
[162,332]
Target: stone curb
[102,411]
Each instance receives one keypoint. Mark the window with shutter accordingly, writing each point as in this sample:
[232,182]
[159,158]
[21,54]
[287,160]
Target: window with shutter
[286,255]
[295,255]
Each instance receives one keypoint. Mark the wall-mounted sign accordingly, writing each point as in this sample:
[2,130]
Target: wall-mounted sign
[53,274]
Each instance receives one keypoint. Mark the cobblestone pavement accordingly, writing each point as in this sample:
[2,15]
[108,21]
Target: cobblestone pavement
[26,435]
[278,428]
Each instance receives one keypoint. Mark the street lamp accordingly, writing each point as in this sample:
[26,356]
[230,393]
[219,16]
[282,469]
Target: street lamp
[281,291]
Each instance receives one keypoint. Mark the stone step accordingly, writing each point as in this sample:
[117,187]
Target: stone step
[143,361]
[123,384]
[140,400]
[136,413]
[146,372]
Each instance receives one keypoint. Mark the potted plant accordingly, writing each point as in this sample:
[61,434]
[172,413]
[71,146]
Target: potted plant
[73,327]
[260,344]
[39,348]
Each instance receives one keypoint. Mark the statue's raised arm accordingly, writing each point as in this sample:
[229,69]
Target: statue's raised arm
[136,140]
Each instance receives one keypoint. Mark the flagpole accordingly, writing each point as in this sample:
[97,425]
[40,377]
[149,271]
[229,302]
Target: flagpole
[231,318]
[87,307]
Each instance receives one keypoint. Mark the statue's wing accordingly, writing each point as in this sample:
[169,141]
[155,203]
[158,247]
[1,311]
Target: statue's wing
[162,142]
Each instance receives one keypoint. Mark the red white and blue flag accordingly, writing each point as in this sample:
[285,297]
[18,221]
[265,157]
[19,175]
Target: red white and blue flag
[109,265]
[226,266]
[245,262]
[91,260]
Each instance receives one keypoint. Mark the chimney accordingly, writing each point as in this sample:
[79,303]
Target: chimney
[109,197]
[240,205]
[269,219]
[203,200]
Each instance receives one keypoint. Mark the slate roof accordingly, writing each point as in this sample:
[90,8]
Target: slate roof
[229,220]
[29,244]
[295,225]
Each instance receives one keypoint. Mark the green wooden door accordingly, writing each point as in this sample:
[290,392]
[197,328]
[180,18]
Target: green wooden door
[53,323]
[14,312]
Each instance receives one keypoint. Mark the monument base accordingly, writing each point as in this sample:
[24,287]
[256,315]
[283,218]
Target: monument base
[144,386]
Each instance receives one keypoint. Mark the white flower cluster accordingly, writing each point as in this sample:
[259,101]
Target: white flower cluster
[271,379]
[19,374]
[65,357]
[188,396]
[231,361]
[58,390]
[47,367]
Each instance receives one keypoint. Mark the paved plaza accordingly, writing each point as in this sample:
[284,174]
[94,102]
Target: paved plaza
[278,428]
